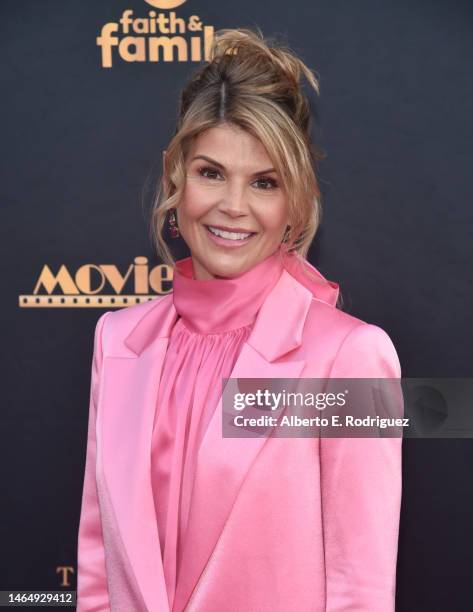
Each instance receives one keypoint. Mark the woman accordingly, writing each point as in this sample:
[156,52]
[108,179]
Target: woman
[174,515]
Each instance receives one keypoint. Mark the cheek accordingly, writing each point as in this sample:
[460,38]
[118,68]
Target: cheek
[195,202]
[274,218]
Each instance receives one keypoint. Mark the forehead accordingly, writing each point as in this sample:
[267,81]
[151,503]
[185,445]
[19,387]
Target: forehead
[232,147]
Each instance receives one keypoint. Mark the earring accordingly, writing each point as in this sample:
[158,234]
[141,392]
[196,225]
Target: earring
[173,228]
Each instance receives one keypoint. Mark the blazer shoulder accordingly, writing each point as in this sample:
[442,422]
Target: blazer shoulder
[351,341]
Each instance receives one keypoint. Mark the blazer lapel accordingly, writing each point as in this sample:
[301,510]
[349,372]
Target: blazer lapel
[128,402]
[128,399]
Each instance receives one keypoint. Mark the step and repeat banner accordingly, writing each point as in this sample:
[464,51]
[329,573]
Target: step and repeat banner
[89,101]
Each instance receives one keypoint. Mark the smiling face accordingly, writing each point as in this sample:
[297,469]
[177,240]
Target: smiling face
[230,187]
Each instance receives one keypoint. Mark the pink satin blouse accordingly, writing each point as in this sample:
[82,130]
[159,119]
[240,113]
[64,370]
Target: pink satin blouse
[215,318]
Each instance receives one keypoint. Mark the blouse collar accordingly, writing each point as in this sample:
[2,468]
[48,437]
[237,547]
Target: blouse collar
[218,305]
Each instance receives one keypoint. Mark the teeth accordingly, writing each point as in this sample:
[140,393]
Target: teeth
[228,235]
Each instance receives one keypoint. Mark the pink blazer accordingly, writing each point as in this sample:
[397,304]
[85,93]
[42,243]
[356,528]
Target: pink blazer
[276,525]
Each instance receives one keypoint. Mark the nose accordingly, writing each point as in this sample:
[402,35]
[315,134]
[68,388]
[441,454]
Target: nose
[234,201]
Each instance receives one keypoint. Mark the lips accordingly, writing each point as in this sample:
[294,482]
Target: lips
[229,242]
[234,230]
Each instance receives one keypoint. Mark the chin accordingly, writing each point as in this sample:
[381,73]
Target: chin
[227,269]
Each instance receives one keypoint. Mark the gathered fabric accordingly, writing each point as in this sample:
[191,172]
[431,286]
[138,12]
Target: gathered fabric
[215,318]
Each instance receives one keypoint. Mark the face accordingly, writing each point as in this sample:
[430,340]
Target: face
[233,212]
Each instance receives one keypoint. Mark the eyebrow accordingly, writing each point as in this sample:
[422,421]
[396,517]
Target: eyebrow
[222,167]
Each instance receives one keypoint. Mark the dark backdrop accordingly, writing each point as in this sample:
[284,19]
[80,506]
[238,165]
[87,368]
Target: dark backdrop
[81,150]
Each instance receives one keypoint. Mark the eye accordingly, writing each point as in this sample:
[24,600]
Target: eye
[269,182]
[208,172]
[266,183]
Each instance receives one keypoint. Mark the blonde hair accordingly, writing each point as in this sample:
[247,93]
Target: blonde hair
[254,85]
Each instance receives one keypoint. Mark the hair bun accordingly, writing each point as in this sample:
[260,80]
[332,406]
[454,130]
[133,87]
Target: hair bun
[263,53]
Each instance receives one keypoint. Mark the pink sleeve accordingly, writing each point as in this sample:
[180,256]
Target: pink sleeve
[92,590]
[361,491]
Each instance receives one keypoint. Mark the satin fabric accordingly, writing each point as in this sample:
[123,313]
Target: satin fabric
[215,319]
[276,525]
